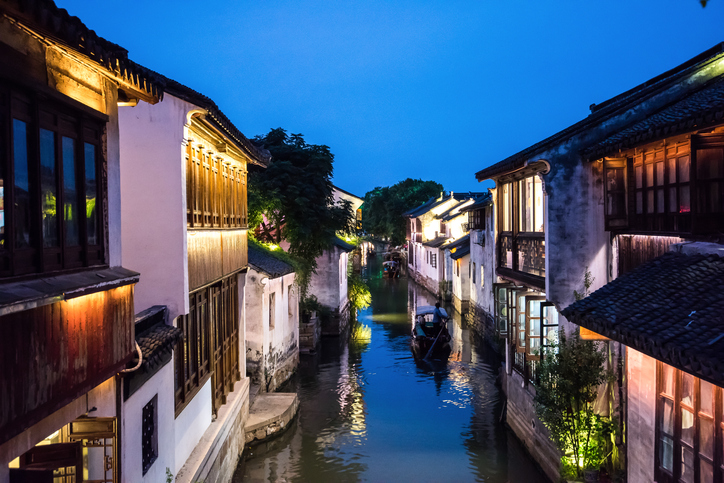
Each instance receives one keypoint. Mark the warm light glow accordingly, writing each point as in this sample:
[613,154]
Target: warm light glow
[273,247]
[591,335]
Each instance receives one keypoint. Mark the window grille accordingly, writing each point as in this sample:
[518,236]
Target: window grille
[149,434]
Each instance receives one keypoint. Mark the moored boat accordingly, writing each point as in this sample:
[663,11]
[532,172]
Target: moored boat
[425,337]
[391,269]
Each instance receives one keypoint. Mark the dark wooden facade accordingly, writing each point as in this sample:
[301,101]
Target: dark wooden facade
[634,250]
[213,254]
[53,354]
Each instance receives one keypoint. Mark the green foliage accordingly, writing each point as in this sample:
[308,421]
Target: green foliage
[293,200]
[588,280]
[358,292]
[169,475]
[383,207]
[565,395]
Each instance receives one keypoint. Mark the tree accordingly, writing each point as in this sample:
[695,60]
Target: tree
[383,207]
[292,200]
[569,377]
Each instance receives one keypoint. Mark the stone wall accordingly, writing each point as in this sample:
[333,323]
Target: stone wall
[520,416]
[309,335]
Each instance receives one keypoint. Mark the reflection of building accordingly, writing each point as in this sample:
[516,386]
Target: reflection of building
[66,303]
[185,226]
[271,313]
[643,171]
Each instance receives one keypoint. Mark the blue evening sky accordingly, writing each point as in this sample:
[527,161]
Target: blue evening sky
[413,88]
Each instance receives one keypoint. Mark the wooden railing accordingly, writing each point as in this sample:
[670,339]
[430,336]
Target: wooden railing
[523,252]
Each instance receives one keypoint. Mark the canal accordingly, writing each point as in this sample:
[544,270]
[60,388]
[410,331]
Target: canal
[369,412]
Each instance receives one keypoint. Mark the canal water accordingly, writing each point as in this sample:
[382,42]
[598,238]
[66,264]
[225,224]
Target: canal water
[369,412]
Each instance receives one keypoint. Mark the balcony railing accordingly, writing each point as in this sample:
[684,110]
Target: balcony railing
[524,252]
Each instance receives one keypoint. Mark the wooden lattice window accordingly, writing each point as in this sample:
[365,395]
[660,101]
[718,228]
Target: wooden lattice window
[210,346]
[689,428]
[51,185]
[215,190]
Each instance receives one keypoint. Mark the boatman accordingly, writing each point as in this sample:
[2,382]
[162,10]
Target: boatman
[437,319]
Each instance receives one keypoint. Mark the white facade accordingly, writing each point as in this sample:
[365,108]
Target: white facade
[329,283]
[155,243]
[272,345]
[482,259]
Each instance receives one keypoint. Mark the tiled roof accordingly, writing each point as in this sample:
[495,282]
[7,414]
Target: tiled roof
[481,202]
[671,308]
[267,263]
[45,17]
[337,241]
[418,210]
[462,241]
[696,111]
[154,343]
[452,212]
[347,192]
[257,154]
[436,242]
[603,111]
[461,252]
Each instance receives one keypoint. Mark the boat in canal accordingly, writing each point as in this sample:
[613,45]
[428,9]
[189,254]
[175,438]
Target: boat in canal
[391,269]
[424,337]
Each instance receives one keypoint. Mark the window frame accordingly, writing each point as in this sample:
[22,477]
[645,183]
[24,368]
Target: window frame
[662,474]
[65,119]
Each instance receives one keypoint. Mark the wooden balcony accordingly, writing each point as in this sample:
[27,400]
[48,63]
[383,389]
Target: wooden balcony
[57,346]
[213,254]
[523,254]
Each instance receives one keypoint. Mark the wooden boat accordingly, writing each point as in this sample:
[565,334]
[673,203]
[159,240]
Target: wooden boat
[391,269]
[424,336]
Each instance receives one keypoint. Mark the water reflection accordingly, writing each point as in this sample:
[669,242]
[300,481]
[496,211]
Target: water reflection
[372,413]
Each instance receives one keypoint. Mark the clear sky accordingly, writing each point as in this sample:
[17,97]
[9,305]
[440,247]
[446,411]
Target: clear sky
[412,88]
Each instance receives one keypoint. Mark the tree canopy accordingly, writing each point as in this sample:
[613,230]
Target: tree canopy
[292,199]
[383,207]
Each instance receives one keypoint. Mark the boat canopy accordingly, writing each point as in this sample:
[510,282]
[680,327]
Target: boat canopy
[429,309]
[389,263]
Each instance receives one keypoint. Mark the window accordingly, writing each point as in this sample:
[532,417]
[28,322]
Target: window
[272,310]
[476,218]
[215,190]
[688,418]
[474,272]
[482,276]
[675,188]
[528,322]
[50,194]
[433,260]
[290,304]
[521,246]
[210,347]
[149,434]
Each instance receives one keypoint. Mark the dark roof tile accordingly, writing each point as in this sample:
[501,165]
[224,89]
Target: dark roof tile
[267,263]
[671,308]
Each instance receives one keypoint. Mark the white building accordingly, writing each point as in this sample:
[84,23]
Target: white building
[329,285]
[271,312]
[183,178]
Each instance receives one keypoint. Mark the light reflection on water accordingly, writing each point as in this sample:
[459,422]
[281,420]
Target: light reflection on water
[369,412]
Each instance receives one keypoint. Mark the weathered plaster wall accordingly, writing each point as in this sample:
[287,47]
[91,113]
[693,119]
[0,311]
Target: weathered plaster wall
[481,292]
[520,416]
[641,415]
[461,283]
[328,284]
[153,180]
[162,385]
[272,354]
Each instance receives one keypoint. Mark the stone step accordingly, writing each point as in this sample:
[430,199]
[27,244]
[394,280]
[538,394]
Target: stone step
[269,415]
